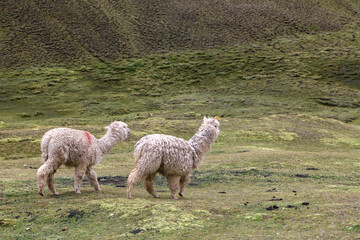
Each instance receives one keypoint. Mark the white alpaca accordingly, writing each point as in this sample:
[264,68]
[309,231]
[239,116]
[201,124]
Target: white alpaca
[172,157]
[76,148]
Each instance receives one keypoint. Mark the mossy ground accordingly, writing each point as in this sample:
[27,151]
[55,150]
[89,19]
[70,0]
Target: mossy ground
[290,137]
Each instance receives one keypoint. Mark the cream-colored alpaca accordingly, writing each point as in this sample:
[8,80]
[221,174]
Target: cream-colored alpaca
[78,149]
[172,157]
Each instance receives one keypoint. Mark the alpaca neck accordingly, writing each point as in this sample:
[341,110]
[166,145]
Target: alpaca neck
[201,142]
[108,141]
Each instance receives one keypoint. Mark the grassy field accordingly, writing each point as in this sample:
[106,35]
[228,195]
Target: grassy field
[285,165]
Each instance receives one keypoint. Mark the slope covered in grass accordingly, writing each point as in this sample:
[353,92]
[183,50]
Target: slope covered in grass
[315,74]
[37,32]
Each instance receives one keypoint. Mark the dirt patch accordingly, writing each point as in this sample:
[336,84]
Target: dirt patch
[75,214]
[276,199]
[118,181]
[271,208]
[292,206]
[271,190]
[312,169]
[255,172]
[302,175]
[136,231]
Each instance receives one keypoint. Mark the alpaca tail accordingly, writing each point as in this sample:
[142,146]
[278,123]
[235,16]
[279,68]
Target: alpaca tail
[44,146]
[137,153]
[138,150]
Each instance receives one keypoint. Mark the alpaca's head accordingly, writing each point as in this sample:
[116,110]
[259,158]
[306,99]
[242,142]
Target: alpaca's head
[211,126]
[119,129]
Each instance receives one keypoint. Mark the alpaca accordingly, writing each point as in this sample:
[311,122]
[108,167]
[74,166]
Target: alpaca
[79,149]
[173,157]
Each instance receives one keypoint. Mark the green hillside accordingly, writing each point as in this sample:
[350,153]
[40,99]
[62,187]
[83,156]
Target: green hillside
[40,32]
[313,74]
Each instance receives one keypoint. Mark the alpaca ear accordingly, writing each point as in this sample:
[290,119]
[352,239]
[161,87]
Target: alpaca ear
[205,119]
[212,120]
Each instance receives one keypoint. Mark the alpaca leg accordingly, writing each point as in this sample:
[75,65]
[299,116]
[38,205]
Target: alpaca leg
[134,178]
[79,174]
[173,183]
[50,183]
[92,178]
[148,184]
[43,173]
[183,182]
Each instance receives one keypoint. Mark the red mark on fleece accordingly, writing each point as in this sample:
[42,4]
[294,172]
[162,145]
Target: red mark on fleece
[88,136]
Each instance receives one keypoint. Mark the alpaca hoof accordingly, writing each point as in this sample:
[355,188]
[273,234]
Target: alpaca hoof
[78,192]
[175,197]
[181,195]
[56,194]
[41,193]
[98,189]
[156,196]
[130,197]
